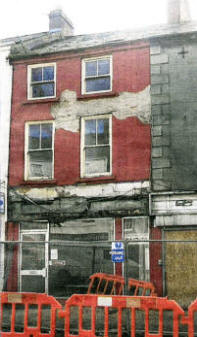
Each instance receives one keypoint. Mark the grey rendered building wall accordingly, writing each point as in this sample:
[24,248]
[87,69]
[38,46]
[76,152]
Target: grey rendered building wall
[174,113]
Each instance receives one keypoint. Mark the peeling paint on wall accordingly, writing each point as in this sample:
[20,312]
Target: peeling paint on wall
[100,190]
[128,104]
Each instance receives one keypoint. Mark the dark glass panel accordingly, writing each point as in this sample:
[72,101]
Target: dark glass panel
[98,84]
[33,255]
[90,132]
[91,68]
[36,74]
[46,136]
[133,261]
[31,283]
[97,160]
[34,136]
[43,90]
[103,67]
[103,131]
[48,73]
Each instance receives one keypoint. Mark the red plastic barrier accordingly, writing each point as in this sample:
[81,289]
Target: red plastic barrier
[26,300]
[190,318]
[131,303]
[141,288]
[108,284]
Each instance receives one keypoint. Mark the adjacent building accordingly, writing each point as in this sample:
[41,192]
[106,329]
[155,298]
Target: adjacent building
[5,108]
[174,178]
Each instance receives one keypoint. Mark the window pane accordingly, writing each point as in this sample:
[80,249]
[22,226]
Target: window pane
[46,133]
[40,164]
[90,132]
[48,73]
[36,74]
[91,68]
[137,261]
[97,160]
[103,131]
[34,136]
[136,225]
[103,67]
[98,84]
[134,261]
[33,255]
[43,90]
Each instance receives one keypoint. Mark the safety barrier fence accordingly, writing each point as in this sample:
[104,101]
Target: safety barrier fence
[101,283]
[94,315]
[28,315]
[142,288]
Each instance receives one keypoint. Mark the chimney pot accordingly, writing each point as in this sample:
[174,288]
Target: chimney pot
[178,11]
[58,21]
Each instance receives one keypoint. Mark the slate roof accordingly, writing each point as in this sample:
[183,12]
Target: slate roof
[55,42]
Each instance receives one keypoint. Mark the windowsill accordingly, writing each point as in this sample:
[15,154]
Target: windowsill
[43,100]
[40,182]
[98,95]
[103,179]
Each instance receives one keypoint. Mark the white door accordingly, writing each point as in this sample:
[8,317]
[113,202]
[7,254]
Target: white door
[34,262]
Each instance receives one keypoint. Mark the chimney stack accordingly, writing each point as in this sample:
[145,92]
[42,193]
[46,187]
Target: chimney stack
[58,21]
[178,11]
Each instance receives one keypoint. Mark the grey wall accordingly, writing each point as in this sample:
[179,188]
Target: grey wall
[174,113]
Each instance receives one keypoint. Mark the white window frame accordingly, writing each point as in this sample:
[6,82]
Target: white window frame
[26,170]
[45,272]
[29,83]
[82,161]
[83,78]
[136,237]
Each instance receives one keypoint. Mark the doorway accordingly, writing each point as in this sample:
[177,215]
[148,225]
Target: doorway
[34,261]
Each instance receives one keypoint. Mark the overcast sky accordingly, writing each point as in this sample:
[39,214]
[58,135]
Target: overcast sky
[20,17]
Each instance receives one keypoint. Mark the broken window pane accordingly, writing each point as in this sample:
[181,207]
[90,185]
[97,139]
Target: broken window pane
[40,164]
[97,160]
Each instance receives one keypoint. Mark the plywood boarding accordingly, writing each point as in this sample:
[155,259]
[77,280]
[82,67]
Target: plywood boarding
[181,266]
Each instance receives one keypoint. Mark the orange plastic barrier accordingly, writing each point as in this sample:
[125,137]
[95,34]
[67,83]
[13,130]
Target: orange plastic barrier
[190,319]
[109,304]
[108,284]
[29,309]
[141,288]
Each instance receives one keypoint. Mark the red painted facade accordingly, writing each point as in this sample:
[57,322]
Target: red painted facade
[130,137]
[156,256]
[12,234]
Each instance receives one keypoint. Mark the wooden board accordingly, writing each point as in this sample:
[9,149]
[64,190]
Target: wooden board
[181,266]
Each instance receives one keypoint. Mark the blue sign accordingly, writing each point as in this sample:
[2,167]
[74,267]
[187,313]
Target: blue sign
[117,251]
[2,203]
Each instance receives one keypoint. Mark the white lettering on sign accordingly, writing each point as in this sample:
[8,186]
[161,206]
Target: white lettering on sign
[54,254]
[104,301]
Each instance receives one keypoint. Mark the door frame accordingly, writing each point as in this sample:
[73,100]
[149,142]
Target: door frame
[35,231]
